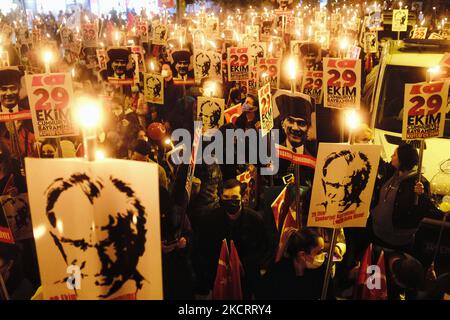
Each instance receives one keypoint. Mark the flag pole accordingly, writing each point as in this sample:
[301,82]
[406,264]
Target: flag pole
[430,72]
[292,77]
[89,117]
[47,57]
[438,243]
[15,145]
[3,291]
[352,121]
[326,280]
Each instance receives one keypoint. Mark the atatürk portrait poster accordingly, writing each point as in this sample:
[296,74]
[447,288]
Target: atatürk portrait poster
[343,185]
[97,228]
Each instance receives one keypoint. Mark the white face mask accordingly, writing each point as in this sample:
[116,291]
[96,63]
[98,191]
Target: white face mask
[317,262]
[164,73]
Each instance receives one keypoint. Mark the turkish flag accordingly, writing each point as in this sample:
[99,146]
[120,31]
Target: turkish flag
[362,292]
[381,293]
[221,283]
[166,3]
[235,274]
[277,205]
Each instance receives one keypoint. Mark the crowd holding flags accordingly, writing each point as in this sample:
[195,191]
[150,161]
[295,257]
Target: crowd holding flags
[158,68]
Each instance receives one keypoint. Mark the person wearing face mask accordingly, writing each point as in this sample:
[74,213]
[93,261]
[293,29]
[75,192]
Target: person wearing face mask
[48,149]
[299,274]
[249,119]
[230,221]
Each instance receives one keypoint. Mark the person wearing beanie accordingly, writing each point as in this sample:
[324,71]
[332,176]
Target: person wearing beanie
[395,216]
[249,119]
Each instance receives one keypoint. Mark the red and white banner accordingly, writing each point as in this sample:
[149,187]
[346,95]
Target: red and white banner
[142,30]
[238,64]
[312,85]
[269,72]
[425,106]
[265,109]
[342,83]
[50,97]
[102,57]
[231,114]
[6,235]
[419,33]
[296,158]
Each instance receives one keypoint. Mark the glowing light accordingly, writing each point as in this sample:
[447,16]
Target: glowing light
[47,56]
[352,119]
[59,226]
[100,155]
[212,44]
[434,70]
[210,89]
[343,44]
[89,113]
[292,68]
[39,231]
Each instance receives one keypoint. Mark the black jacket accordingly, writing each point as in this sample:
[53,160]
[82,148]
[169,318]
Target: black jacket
[281,283]
[250,239]
[405,215]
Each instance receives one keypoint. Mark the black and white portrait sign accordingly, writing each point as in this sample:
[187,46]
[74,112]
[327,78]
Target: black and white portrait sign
[17,212]
[97,228]
[343,185]
[400,20]
[256,50]
[154,88]
[159,33]
[371,42]
[207,64]
[210,111]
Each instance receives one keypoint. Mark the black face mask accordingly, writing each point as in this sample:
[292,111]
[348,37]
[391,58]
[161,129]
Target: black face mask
[231,206]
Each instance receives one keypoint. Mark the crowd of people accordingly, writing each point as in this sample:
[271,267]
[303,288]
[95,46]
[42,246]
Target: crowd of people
[276,265]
